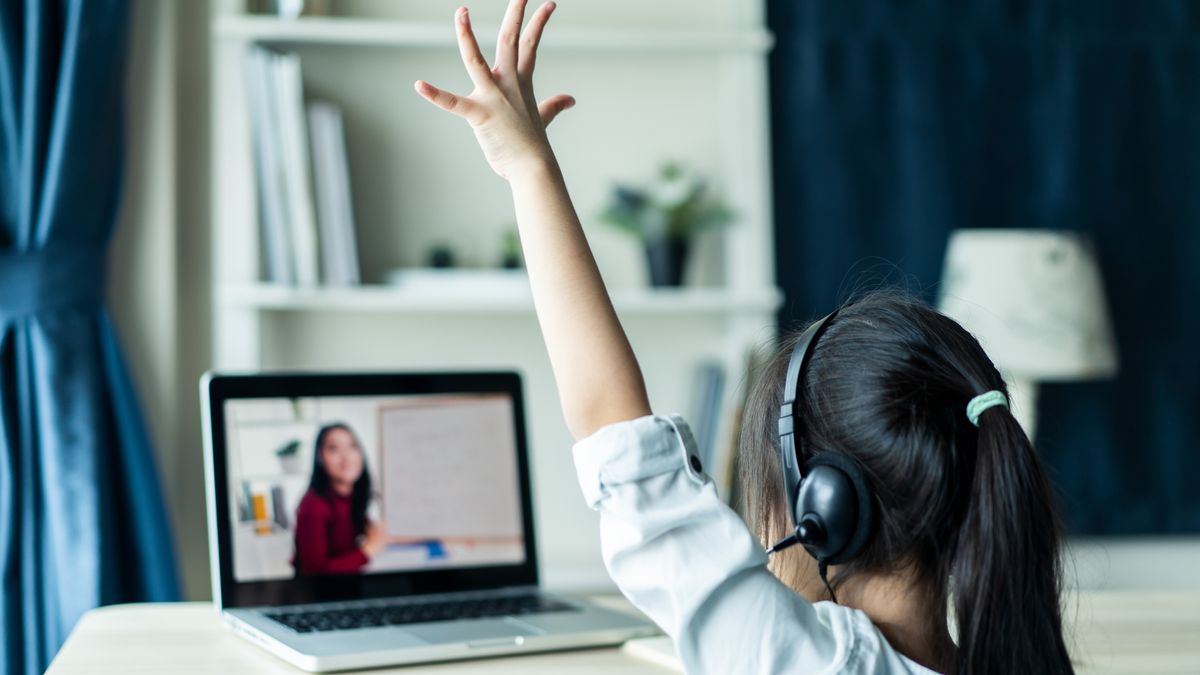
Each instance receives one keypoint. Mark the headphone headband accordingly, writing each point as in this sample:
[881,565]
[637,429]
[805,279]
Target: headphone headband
[797,365]
[801,353]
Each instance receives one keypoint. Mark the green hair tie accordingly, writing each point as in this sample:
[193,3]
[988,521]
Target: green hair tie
[982,402]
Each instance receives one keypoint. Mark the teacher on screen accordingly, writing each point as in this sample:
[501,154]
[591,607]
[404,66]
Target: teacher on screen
[333,534]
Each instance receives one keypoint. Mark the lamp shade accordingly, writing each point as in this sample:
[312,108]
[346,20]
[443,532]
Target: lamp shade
[1034,299]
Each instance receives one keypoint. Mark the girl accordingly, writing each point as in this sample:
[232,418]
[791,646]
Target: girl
[332,515]
[895,401]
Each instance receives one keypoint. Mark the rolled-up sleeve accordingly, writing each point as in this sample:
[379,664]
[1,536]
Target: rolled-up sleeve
[689,562]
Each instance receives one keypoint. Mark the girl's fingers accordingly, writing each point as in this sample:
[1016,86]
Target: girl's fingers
[510,32]
[550,108]
[459,105]
[477,66]
[531,39]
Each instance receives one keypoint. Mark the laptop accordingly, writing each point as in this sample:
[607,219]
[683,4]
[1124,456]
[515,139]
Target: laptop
[360,520]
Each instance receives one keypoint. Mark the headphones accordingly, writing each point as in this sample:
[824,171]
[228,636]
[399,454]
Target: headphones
[830,503]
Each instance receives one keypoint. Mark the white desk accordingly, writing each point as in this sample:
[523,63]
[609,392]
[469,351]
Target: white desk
[188,637]
[1110,633]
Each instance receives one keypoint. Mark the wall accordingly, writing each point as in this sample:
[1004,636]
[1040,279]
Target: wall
[143,280]
[193,263]
[158,285]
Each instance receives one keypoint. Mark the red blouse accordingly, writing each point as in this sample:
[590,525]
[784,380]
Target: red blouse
[325,537]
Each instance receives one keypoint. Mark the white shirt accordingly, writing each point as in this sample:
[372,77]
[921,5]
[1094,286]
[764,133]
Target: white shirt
[689,562]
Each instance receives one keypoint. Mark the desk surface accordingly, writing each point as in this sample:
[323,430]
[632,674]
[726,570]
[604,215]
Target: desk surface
[190,637]
[1111,633]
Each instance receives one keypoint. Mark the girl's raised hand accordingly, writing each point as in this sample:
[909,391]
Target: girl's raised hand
[598,378]
[508,122]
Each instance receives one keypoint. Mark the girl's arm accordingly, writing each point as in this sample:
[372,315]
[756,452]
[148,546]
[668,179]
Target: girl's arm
[598,378]
[672,546]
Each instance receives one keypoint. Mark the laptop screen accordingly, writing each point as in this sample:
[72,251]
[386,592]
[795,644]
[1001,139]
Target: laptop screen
[334,485]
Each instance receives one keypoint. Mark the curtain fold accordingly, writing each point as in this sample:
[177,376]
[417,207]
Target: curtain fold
[895,123]
[82,516]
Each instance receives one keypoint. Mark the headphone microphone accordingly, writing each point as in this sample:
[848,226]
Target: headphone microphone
[810,531]
[829,501]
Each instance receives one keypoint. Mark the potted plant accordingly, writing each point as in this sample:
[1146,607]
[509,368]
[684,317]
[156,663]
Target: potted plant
[666,216]
[510,250]
[289,457]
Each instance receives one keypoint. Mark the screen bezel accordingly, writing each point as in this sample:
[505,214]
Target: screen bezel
[217,389]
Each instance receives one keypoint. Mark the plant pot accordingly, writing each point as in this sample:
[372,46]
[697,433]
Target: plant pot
[290,464]
[667,259]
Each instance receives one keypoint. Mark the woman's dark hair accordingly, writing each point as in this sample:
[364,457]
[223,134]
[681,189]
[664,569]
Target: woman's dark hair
[360,497]
[968,511]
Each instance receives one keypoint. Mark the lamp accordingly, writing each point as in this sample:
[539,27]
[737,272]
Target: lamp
[1035,301]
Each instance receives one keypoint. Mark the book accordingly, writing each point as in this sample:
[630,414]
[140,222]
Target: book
[289,90]
[708,391]
[335,212]
[275,94]
[276,246]
[279,507]
[755,361]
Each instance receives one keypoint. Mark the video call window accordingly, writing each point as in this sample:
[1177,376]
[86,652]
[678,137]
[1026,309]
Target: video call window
[354,485]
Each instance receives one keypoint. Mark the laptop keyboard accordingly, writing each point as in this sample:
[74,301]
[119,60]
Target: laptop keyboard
[400,611]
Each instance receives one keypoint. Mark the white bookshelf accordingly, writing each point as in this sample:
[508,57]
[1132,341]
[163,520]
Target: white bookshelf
[670,80]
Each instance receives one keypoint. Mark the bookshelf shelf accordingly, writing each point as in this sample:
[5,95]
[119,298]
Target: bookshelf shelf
[393,33]
[274,297]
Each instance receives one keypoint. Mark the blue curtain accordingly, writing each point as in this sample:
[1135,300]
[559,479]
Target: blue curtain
[82,519]
[896,122]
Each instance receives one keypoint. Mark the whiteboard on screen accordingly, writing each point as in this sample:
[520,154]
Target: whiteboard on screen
[450,469]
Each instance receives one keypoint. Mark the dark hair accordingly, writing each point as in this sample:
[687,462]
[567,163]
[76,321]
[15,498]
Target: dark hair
[968,512]
[360,497]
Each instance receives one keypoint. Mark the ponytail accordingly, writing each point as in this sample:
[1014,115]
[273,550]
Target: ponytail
[967,512]
[1006,568]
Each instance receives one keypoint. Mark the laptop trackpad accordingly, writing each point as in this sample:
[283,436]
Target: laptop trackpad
[471,631]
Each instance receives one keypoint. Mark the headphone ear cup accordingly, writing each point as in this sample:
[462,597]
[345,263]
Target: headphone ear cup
[834,495]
